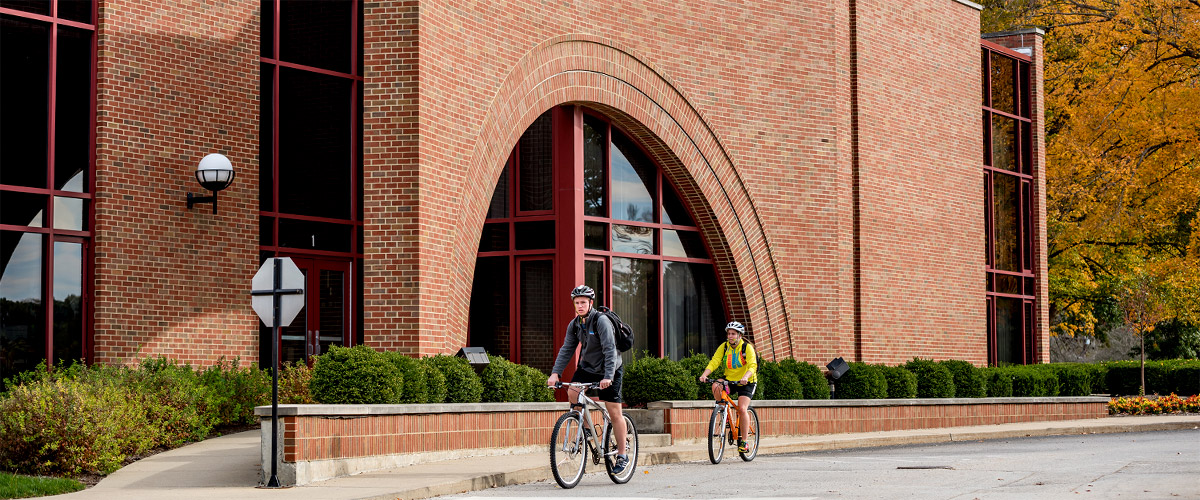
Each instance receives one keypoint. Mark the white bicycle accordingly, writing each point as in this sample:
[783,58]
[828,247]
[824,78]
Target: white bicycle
[575,434]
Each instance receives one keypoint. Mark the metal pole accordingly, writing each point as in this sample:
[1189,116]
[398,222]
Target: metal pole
[274,482]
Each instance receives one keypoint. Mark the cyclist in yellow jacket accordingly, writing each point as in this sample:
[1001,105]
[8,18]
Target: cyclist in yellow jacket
[741,364]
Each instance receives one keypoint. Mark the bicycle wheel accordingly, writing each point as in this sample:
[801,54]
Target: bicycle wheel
[631,451]
[751,437]
[716,435]
[568,452]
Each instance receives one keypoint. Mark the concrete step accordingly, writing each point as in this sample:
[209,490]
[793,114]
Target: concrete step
[653,440]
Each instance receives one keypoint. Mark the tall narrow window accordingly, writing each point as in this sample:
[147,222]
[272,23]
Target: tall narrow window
[1008,173]
[310,168]
[46,173]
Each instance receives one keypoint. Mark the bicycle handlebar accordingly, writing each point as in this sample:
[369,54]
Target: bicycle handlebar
[726,381]
[589,385]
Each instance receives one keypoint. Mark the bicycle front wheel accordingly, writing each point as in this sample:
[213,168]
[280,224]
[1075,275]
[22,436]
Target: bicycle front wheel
[751,436]
[568,452]
[716,435]
[631,451]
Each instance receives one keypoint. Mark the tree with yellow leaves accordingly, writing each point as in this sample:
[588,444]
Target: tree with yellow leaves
[1122,82]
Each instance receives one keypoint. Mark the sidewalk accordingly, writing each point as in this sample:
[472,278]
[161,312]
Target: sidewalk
[227,466]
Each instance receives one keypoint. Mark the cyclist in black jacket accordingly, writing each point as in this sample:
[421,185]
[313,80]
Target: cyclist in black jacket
[599,361]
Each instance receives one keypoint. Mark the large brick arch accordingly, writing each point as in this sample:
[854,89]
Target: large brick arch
[593,72]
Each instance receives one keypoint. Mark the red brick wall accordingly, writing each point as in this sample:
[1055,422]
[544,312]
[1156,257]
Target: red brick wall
[176,81]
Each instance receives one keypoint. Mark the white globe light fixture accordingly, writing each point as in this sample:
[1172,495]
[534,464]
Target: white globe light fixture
[214,174]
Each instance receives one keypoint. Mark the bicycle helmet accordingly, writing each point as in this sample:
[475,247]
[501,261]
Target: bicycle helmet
[583,291]
[734,325]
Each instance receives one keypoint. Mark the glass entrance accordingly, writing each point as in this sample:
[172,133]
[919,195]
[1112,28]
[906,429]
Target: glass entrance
[324,322]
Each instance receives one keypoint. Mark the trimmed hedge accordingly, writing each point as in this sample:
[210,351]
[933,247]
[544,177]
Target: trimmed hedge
[414,386]
[355,375]
[862,381]
[999,382]
[933,379]
[435,381]
[462,383]
[968,380]
[502,381]
[774,382]
[901,383]
[1031,382]
[812,380]
[695,365]
[649,378]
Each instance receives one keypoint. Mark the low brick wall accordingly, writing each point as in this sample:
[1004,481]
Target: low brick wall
[688,420]
[320,442]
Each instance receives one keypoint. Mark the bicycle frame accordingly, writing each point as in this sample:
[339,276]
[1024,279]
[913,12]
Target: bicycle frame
[732,417]
[583,406]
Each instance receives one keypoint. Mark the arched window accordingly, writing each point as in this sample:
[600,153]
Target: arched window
[641,249]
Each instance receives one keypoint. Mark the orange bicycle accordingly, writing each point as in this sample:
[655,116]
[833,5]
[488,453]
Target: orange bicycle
[724,428]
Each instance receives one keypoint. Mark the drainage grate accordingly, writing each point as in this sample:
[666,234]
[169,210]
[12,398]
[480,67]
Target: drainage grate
[926,467]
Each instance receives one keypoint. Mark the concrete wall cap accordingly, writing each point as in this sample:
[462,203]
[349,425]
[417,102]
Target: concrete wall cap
[972,5]
[1023,31]
[369,410]
[791,403]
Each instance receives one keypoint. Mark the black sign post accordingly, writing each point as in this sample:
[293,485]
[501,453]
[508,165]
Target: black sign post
[277,293]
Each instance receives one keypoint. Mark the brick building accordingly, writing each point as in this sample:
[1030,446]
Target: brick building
[444,172]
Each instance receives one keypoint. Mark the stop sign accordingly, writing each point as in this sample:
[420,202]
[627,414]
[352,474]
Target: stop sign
[264,289]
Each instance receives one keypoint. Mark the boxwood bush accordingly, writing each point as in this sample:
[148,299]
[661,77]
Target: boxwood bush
[462,383]
[414,387]
[695,365]
[502,381]
[901,383]
[1073,379]
[813,383]
[355,375]
[968,380]
[534,388]
[650,378]
[933,379]
[1031,382]
[862,381]
[776,383]
[435,381]
[999,382]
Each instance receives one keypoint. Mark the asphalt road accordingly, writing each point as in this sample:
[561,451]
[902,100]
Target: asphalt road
[1147,465]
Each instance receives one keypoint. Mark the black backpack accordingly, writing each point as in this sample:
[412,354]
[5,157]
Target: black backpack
[622,333]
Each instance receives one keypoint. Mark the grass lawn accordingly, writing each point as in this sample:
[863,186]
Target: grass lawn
[16,486]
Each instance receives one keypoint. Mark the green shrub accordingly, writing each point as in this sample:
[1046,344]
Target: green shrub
[901,383]
[462,383]
[502,381]
[649,378]
[776,383]
[176,401]
[414,388]
[355,375]
[933,379]
[999,382]
[1032,382]
[695,365]
[812,380]
[236,391]
[534,389]
[862,381]
[968,380]
[1097,374]
[435,381]
[1073,379]
[1187,380]
[294,379]
[70,425]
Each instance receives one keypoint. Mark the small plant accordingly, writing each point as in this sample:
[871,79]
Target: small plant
[294,379]
[1140,405]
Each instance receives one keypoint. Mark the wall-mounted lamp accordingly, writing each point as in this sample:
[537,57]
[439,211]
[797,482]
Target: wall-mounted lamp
[214,173]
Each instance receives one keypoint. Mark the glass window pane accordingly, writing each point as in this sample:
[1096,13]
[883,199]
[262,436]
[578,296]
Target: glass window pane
[537,314]
[22,313]
[536,162]
[632,239]
[315,235]
[595,277]
[75,10]
[683,244]
[332,321]
[1002,83]
[1005,283]
[633,181]
[494,238]
[266,231]
[1026,149]
[267,39]
[498,209]
[536,235]
[987,138]
[692,311]
[594,176]
[266,127]
[594,235]
[25,101]
[315,144]
[69,213]
[68,301]
[35,6]
[1004,222]
[489,326]
[1009,323]
[317,34]
[635,298]
[1004,142]
[673,211]
[72,145]
[22,209]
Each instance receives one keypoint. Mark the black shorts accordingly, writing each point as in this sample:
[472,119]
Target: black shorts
[747,390]
[613,393]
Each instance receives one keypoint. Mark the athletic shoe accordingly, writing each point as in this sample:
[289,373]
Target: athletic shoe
[742,446]
[620,464]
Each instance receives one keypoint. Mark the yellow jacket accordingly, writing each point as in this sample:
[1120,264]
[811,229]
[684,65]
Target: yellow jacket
[736,364]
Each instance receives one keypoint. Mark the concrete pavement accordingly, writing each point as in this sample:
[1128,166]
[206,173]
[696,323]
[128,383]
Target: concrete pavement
[227,466]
